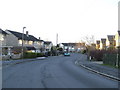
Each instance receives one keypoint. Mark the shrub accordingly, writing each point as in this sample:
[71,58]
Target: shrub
[83,52]
[30,55]
[97,54]
[40,54]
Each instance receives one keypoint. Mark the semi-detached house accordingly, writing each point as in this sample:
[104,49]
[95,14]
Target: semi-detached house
[117,38]
[29,41]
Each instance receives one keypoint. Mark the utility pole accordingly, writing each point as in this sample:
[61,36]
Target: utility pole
[56,39]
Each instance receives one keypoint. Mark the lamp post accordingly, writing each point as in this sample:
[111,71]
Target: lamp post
[23,40]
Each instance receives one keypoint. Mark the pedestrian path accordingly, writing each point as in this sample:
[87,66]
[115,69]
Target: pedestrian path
[99,67]
[11,62]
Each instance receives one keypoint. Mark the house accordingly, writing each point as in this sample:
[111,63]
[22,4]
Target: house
[29,41]
[110,41]
[3,35]
[72,47]
[48,45]
[117,38]
[4,48]
[103,43]
[68,46]
[97,44]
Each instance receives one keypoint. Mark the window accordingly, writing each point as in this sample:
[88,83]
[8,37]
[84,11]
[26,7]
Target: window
[20,41]
[30,42]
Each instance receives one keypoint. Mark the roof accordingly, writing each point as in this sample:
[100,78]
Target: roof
[98,42]
[30,48]
[103,40]
[69,44]
[26,37]
[3,32]
[111,37]
[119,33]
[47,42]
[65,44]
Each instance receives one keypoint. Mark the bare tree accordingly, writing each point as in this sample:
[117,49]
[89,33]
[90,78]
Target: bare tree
[89,39]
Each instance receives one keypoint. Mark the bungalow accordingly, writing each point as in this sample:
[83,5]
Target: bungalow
[29,41]
[110,41]
[103,43]
[117,38]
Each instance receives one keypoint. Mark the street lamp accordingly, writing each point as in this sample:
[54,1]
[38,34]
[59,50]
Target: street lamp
[23,40]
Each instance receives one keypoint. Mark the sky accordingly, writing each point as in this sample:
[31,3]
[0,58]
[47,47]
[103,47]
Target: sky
[71,19]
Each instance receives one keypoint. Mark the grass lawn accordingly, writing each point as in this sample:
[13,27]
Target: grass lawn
[110,66]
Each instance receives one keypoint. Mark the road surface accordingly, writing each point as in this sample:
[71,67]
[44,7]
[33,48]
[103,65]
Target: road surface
[54,72]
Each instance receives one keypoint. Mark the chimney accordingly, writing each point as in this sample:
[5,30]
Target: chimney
[39,38]
[27,33]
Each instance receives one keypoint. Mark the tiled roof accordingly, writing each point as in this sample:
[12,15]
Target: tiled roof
[103,40]
[3,32]
[69,44]
[111,37]
[47,42]
[119,32]
[26,37]
[98,42]
[30,48]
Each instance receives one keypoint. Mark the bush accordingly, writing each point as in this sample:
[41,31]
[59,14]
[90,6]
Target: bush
[83,52]
[99,54]
[30,55]
[49,53]
[40,54]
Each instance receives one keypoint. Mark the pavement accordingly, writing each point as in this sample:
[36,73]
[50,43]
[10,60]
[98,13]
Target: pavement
[12,62]
[97,67]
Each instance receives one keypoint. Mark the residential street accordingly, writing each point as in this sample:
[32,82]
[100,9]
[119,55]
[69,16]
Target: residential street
[54,72]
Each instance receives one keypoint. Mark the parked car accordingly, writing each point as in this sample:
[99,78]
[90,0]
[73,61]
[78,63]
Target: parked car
[66,54]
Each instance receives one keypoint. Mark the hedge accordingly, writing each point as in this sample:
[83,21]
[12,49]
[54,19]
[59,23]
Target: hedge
[32,55]
[111,59]
[29,55]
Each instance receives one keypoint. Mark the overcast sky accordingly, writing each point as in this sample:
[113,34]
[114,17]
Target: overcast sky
[71,19]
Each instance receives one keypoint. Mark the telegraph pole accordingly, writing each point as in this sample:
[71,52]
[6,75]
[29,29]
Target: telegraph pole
[56,39]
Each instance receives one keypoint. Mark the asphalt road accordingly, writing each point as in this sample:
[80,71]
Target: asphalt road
[53,72]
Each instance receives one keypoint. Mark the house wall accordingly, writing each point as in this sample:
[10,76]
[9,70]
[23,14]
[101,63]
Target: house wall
[37,45]
[97,46]
[48,47]
[11,40]
[2,40]
[117,38]
[107,42]
[111,43]
[25,43]
[102,45]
